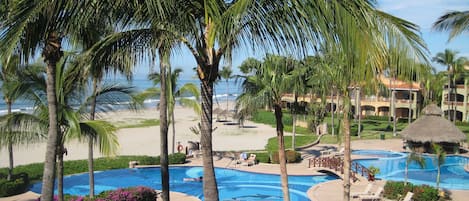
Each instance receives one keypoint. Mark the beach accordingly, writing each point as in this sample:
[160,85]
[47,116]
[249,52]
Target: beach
[146,140]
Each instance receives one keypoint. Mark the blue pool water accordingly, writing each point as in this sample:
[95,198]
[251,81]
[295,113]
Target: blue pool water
[378,153]
[392,167]
[232,184]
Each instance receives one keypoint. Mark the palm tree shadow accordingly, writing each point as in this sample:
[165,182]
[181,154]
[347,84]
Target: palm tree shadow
[248,126]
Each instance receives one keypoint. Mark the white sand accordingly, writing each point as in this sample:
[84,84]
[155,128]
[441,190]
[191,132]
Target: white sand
[146,141]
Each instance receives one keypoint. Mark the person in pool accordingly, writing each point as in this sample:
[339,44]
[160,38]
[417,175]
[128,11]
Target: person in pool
[199,179]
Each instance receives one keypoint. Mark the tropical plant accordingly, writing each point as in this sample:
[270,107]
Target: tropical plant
[266,87]
[180,93]
[215,29]
[439,160]
[226,73]
[74,104]
[359,68]
[44,24]
[413,157]
[454,21]
[13,87]
[454,68]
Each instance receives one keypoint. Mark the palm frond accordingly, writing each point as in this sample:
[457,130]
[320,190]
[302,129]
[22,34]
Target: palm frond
[21,128]
[457,22]
[104,135]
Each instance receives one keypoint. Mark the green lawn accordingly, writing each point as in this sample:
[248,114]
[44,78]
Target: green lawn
[372,128]
[138,124]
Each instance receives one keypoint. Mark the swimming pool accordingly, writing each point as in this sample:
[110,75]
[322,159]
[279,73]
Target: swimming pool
[232,184]
[379,153]
[453,175]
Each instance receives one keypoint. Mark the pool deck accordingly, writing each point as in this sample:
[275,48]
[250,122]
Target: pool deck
[327,191]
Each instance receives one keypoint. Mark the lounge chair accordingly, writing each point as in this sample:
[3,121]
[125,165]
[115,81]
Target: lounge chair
[250,161]
[408,196]
[339,153]
[326,152]
[367,191]
[374,196]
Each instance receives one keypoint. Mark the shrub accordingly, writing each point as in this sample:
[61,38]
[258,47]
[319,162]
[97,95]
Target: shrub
[394,190]
[292,157]
[18,184]
[377,118]
[354,129]
[274,157]
[462,123]
[139,193]
[336,128]
[425,193]
[262,157]
[176,158]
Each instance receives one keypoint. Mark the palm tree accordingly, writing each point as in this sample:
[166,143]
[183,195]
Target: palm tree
[35,24]
[454,64]
[13,87]
[299,73]
[72,93]
[212,30]
[97,66]
[266,87]
[226,73]
[176,92]
[440,157]
[363,68]
[455,21]
[413,156]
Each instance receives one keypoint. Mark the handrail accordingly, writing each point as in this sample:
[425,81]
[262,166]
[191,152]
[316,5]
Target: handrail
[337,164]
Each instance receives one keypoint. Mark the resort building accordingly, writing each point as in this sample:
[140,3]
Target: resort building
[408,100]
[455,101]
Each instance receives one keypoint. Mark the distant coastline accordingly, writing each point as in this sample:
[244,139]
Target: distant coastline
[220,94]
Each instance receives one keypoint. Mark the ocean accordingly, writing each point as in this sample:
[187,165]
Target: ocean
[222,92]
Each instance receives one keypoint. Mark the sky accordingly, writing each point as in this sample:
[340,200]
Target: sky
[424,13]
[421,12]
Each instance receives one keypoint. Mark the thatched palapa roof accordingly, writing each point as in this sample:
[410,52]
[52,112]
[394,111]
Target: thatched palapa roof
[432,127]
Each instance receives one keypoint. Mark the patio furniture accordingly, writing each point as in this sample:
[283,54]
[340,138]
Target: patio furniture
[408,196]
[375,196]
[367,191]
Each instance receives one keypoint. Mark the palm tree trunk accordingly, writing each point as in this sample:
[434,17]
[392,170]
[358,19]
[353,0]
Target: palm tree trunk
[359,109]
[91,139]
[281,152]
[173,124]
[210,183]
[295,106]
[448,96]
[332,111]
[438,177]
[347,161]
[164,58]
[10,148]
[51,54]
[455,95]
[390,100]
[406,173]
[410,104]
[60,172]
[227,95]
[394,119]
